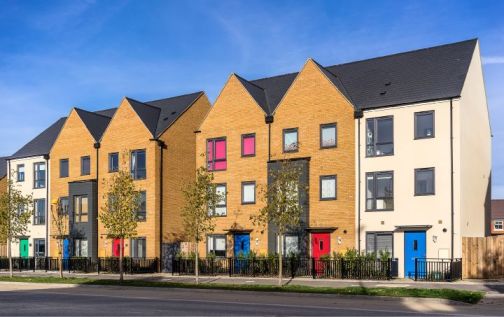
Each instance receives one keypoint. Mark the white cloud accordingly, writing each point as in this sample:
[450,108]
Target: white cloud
[493,60]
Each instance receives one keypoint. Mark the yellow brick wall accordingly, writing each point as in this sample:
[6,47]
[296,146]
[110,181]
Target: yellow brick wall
[313,100]
[73,142]
[127,132]
[3,184]
[179,164]
[235,113]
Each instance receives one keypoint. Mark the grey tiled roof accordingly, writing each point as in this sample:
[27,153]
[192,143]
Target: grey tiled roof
[3,167]
[95,123]
[421,75]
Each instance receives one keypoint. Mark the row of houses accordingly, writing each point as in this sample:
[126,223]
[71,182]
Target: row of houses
[395,153]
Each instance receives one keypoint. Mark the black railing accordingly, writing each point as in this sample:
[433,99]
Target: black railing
[291,267]
[436,270]
[83,265]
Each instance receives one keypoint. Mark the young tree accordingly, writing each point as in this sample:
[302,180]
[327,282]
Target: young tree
[201,198]
[16,211]
[60,225]
[119,214]
[282,208]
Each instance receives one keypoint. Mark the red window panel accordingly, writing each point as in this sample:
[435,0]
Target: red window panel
[248,145]
[216,154]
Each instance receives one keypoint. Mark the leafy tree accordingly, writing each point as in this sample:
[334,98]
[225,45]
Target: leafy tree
[16,211]
[119,213]
[282,208]
[60,225]
[201,198]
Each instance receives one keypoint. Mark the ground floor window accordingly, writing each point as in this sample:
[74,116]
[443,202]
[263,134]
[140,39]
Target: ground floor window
[290,244]
[81,248]
[216,245]
[379,243]
[39,247]
[138,246]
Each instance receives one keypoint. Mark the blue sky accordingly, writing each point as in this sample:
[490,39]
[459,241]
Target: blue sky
[59,54]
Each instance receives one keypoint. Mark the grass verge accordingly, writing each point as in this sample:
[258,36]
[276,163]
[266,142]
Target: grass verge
[470,297]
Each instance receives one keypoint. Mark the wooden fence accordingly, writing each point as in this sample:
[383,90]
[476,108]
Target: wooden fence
[483,257]
[3,249]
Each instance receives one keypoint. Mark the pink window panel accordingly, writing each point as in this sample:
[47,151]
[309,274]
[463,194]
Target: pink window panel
[220,150]
[216,155]
[248,145]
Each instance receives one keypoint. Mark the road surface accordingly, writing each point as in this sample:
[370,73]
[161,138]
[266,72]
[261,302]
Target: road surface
[81,300]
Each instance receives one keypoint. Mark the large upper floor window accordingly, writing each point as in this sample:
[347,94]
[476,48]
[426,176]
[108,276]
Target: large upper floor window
[221,206]
[328,135]
[328,187]
[81,208]
[20,173]
[216,245]
[216,154]
[63,206]
[380,136]
[85,165]
[290,140]
[138,164]
[64,166]
[424,125]
[40,210]
[138,248]
[380,191]
[248,144]
[39,175]
[424,181]
[248,193]
[113,162]
[142,208]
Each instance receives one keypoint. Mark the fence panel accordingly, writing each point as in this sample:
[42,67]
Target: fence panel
[436,270]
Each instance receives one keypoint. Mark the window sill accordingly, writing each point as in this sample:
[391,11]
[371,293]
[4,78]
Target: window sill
[424,137]
[428,194]
[248,203]
[384,155]
[328,199]
[378,210]
[329,147]
[248,155]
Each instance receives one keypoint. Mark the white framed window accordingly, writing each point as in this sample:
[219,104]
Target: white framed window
[216,244]
[81,248]
[328,135]
[328,187]
[498,225]
[221,207]
[138,248]
[290,244]
[290,140]
[248,193]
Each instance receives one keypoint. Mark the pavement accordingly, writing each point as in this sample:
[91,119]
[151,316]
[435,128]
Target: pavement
[24,299]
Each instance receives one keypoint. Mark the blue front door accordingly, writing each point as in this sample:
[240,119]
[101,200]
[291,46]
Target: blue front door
[241,244]
[66,249]
[414,247]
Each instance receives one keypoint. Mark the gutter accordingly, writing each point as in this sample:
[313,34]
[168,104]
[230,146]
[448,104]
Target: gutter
[48,205]
[97,146]
[162,146]
[358,115]
[269,120]
[452,198]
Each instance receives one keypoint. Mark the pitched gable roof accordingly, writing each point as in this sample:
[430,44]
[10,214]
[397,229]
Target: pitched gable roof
[94,122]
[258,93]
[3,167]
[426,74]
[42,143]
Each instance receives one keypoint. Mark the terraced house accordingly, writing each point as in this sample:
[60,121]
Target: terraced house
[155,140]
[28,170]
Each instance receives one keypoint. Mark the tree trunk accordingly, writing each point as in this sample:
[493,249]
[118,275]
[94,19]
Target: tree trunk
[9,241]
[121,254]
[280,264]
[196,264]
[60,259]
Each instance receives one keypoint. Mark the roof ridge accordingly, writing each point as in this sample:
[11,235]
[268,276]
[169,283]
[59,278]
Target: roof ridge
[143,103]
[403,53]
[275,76]
[345,92]
[92,112]
[248,81]
[191,93]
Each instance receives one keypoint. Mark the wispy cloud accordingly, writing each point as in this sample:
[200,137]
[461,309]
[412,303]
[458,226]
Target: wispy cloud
[487,60]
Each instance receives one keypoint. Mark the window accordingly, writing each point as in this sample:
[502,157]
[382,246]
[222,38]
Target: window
[380,191]
[39,214]
[498,225]
[328,187]
[290,245]
[81,208]
[380,136]
[63,206]
[81,248]
[20,173]
[248,193]
[142,211]
[216,154]
[248,145]
[379,242]
[138,163]
[424,125]
[424,181]
[113,162]
[63,165]
[138,248]
[39,175]
[85,165]
[328,135]
[221,207]
[39,249]
[216,244]
[290,140]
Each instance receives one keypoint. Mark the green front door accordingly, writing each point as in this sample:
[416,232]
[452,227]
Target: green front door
[23,248]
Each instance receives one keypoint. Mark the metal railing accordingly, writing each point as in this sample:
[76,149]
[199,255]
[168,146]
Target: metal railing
[436,270]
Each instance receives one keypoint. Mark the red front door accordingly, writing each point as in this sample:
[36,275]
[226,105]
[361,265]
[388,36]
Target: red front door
[116,251]
[320,244]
